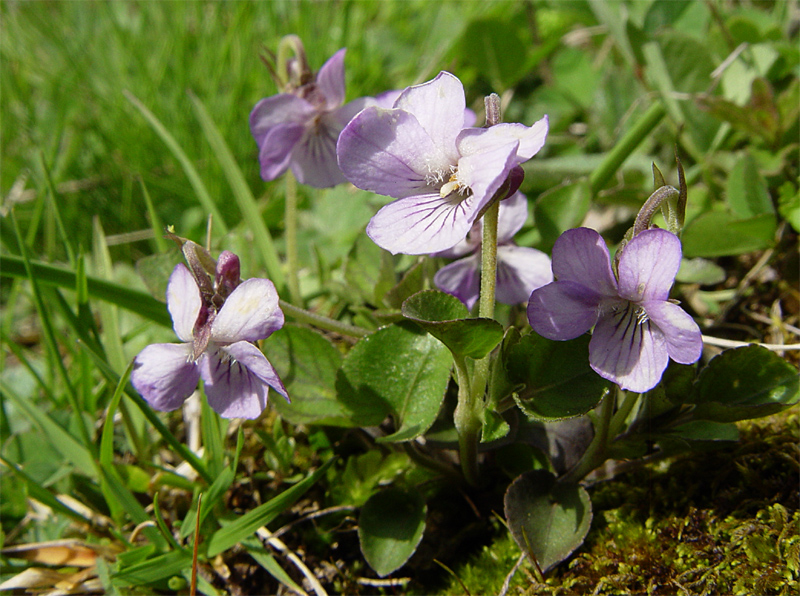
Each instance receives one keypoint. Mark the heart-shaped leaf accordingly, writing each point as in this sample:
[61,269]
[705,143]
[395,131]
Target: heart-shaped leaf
[445,317]
[744,383]
[390,527]
[559,383]
[399,370]
[548,520]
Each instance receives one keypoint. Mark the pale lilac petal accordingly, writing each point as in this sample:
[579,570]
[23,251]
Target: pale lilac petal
[520,271]
[313,159]
[581,255]
[277,147]
[251,357]
[232,390]
[387,99]
[347,112]
[563,310]
[388,152]
[469,118]
[164,375]
[628,351]
[276,111]
[330,80]
[683,337]
[530,139]
[511,217]
[484,173]
[648,265]
[183,301]
[250,313]
[461,279]
[422,224]
[439,107]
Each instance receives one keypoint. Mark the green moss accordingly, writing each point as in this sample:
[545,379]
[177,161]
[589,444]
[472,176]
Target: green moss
[722,522]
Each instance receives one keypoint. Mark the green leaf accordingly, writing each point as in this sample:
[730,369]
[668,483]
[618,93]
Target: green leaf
[369,270]
[789,204]
[156,569]
[134,300]
[718,234]
[398,370]
[547,520]
[560,209]
[251,521]
[445,317]
[390,527]
[748,195]
[307,364]
[559,383]
[700,271]
[743,383]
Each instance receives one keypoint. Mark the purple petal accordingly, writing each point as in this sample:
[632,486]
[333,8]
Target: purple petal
[164,375]
[581,255]
[530,139]
[330,79]
[313,159]
[347,112]
[439,107]
[563,310]
[276,149]
[387,99]
[388,152]
[628,349]
[683,337]
[250,313]
[520,271]
[484,173]
[511,217]
[183,301]
[276,111]
[648,265]
[231,389]
[461,279]
[422,224]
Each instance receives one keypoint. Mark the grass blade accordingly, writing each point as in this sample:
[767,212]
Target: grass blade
[251,521]
[243,195]
[194,178]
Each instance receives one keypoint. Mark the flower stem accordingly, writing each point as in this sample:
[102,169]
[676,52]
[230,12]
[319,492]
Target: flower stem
[467,419]
[321,322]
[291,240]
[597,452]
[471,388]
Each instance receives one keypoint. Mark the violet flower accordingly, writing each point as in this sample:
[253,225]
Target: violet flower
[441,172]
[218,333]
[637,329]
[298,129]
[520,270]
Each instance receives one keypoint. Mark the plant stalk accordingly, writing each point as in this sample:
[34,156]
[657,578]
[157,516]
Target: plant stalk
[597,452]
[292,260]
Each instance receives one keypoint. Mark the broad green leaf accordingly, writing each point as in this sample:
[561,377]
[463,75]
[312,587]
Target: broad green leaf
[748,195]
[251,521]
[390,527]
[364,473]
[306,363]
[718,234]
[789,205]
[743,383]
[548,520]
[661,15]
[398,370]
[559,383]
[369,270]
[700,271]
[445,317]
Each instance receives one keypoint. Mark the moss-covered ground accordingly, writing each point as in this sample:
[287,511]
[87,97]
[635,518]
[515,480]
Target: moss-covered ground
[714,523]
